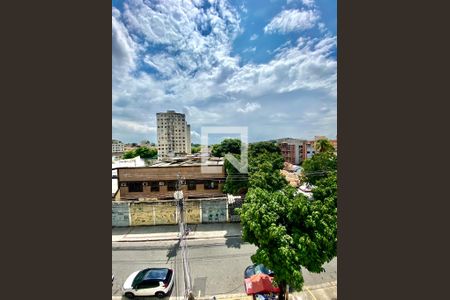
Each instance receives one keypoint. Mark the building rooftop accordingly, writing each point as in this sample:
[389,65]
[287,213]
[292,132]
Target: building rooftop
[129,163]
[188,162]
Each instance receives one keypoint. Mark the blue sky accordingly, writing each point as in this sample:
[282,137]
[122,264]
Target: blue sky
[267,65]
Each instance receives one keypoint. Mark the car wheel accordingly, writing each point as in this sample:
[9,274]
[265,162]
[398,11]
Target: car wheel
[160,294]
[129,295]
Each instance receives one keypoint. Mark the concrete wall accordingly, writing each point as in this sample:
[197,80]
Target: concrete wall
[138,213]
[192,212]
[120,214]
[214,211]
[153,213]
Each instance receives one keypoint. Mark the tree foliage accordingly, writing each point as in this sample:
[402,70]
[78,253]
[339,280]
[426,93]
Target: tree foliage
[143,152]
[324,145]
[290,231]
[319,166]
[265,161]
[232,146]
[235,183]
[195,149]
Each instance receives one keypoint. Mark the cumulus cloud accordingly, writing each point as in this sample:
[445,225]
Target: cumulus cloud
[305,2]
[253,37]
[249,107]
[178,55]
[133,126]
[308,2]
[124,49]
[196,34]
[292,20]
[307,66]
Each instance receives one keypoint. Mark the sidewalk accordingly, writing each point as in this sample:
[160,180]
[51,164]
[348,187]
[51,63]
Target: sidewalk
[324,291]
[171,232]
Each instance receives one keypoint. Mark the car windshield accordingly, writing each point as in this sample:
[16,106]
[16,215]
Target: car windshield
[156,274]
[257,269]
[262,269]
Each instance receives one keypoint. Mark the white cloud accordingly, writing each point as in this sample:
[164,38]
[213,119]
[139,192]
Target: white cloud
[305,2]
[322,27]
[195,37]
[192,70]
[251,49]
[308,2]
[249,107]
[307,66]
[253,37]
[133,126]
[201,116]
[124,49]
[292,20]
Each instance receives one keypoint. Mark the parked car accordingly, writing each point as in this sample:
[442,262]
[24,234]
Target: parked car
[149,282]
[256,269]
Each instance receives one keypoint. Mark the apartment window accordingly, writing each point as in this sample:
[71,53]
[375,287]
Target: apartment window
[134,187]
[192,185]
[172,185]
[154,186]
[211,185]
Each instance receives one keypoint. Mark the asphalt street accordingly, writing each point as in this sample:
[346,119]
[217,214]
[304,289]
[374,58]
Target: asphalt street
[217,265]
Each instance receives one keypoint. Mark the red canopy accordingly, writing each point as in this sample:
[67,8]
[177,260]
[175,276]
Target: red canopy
[260,283]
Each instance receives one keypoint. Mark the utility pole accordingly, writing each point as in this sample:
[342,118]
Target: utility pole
[183,244]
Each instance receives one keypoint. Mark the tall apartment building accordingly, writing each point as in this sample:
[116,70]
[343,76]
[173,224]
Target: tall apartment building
[174,134]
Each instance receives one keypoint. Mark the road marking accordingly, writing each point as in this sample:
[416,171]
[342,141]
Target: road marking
[310,293]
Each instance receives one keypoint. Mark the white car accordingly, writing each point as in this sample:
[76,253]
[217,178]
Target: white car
[149,282]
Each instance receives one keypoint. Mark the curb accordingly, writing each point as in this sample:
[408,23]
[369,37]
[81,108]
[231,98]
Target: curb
[174,238]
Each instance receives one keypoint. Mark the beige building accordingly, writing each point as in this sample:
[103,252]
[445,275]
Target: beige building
[117,147]
[174,134]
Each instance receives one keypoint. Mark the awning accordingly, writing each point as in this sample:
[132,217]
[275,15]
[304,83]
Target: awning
[260,283]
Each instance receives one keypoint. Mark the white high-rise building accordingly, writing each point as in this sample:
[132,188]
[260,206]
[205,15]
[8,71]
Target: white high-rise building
[174,134]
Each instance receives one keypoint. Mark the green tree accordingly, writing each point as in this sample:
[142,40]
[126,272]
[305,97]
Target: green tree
[232,146]
[129,154]
[319,166]
[143,152]
[265,161]
[290,231]
[323,146]
[256,149]
[195,149]
[236,182]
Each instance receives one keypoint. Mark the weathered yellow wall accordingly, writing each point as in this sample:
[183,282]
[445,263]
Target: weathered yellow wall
[165,213]
[141,214]
[192,212]
[152,213]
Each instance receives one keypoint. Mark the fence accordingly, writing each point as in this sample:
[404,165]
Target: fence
[163,212]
